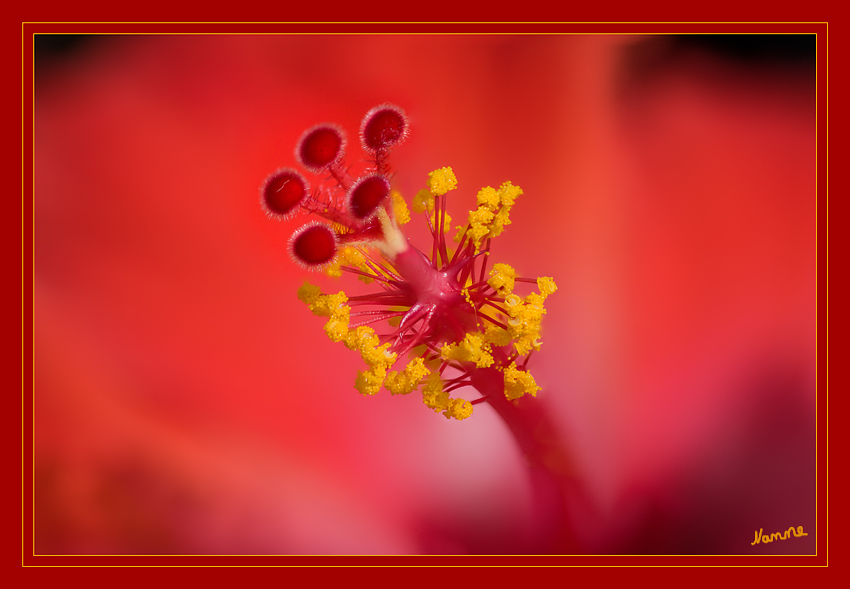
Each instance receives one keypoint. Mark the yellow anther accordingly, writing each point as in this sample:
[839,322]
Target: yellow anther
[433,394]
[459,232]
[459,409]
[333,270]
[512,300]
[351,339]
[400,211]
[492,214]
[347,256]
[473,348]
[524,324]
[423,201]
[496,336]
[308,293]
[364,340]
[476,233]
[331,306]
[361,336]
[499,221]
[328,305]
[502,278]
[535,301]
[518,383]
[523,345]
[488,197]
[377,355]
[350,256]
[406,382]
[546,286]
[441,181]
[337,327]
[369,382]
[508,194]
[480,217]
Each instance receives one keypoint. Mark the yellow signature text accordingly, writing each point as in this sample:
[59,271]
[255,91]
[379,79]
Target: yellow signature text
[764,538]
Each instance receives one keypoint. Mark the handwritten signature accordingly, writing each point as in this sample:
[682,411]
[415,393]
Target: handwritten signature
[778,535]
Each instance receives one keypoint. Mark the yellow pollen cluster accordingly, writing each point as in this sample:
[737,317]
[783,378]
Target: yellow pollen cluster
[308,293]
[331,306]
[518,383]
[437,399]
[502,278]
[403,383]
[441,181]
[496,336]
[524,324]
[459,409]
[492,214]
[369,382]
[364,340]
[378,358]
[524,315]
[423,201]
[546,286]
[349,256]
[400,211]
[473,348]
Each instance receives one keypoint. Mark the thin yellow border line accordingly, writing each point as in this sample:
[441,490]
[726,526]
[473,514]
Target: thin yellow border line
[23,36]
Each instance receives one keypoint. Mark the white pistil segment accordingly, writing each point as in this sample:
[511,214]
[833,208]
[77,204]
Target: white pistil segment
[394,241]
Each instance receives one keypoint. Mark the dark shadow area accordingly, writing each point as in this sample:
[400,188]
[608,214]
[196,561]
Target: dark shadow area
[789,50]
[784,64]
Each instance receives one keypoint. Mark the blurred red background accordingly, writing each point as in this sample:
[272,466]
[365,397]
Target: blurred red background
[186,402]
